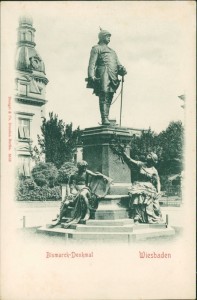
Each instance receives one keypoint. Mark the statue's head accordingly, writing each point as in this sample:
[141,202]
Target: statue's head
[82,165]
[152,158]
[104,36]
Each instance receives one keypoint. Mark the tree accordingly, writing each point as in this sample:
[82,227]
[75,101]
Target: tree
[58,140]
[171,141]
[168,145]
[142,145]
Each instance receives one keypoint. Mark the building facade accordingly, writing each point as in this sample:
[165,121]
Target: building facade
[30,93]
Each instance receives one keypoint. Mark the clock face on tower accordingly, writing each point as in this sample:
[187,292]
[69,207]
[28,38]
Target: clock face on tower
[35,63]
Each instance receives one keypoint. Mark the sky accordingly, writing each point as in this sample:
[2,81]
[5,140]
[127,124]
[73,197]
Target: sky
[153,40]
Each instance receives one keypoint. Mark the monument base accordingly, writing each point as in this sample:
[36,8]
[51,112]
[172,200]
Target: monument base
[107,231]
[110,222]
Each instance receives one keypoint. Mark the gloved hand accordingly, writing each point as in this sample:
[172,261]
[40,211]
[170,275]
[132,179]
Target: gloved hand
[122,71]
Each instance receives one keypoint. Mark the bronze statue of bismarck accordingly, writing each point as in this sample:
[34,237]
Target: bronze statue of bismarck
[103,70]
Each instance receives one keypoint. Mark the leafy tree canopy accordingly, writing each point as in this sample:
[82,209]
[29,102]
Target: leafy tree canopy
[58,141]
[168,145]
[171,141]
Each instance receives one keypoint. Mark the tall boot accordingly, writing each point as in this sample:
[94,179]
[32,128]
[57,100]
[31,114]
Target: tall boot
[109,97]
[103,110]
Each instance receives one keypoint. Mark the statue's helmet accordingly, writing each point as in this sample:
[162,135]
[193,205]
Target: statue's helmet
[102,34]
[82,163]
[154,157]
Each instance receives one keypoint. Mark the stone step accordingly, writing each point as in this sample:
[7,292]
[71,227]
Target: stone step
[110,235]
[99,236]
[57,231]
[119,222]
[128,237]
[151,233]
[144,226]
[85,228]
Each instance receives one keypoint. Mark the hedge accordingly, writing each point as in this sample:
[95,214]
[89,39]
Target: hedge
[27,190]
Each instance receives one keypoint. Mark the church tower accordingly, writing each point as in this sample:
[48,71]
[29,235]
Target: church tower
[30,97]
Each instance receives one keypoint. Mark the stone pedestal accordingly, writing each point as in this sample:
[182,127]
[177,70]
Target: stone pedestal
[112,207]
[100,157]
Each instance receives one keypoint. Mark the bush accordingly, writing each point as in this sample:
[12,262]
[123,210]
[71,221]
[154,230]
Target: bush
[29,184]
[45,174]
[40,180]
[37,193]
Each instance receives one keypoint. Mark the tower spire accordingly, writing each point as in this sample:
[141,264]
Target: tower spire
[26,32]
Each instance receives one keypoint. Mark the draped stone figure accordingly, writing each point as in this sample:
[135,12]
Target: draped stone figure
[144,193]
[85,190]
[103,70]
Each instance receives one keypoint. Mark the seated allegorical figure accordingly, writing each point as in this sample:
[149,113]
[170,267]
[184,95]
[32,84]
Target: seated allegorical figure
[144,204]
[83,193]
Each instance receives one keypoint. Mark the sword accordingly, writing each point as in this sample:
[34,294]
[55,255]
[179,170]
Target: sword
[121,100]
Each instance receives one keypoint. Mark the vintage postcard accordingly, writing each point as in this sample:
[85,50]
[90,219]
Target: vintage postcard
[98,150]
